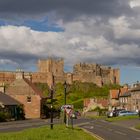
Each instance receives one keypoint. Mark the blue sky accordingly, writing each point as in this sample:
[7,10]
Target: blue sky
[92,31]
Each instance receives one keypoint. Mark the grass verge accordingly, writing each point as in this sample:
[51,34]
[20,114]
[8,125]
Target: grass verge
[137,126]
[60,132]
[113,119]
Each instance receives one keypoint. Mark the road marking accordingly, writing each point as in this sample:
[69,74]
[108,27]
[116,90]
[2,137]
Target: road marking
[93,134]
[120,132]
[91,127]
[98,125]
[110,129]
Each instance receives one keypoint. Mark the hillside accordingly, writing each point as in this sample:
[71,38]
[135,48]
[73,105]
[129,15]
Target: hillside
[77,92]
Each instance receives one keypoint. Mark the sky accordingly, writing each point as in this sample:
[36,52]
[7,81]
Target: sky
[106,32]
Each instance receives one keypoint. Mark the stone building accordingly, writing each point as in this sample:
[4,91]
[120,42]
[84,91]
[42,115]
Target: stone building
[95,73]
[24,91]
[82,72]
[125,98]
[135,98]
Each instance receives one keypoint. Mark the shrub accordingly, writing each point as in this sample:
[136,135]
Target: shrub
[4,116]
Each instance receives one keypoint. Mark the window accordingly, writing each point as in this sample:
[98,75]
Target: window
[28,99]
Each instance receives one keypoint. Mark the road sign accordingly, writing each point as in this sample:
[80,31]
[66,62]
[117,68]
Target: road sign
[68,111]
[63,107]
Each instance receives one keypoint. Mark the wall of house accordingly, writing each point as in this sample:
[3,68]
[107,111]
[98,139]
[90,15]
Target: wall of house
[32,109]
[135,100]
[20,90]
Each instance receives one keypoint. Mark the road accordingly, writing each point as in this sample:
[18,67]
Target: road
[104,129]
[109,131]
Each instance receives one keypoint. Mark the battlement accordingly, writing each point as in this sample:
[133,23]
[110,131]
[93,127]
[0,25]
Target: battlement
[83,72]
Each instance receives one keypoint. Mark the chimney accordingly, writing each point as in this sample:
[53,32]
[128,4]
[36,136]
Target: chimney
[19,74]
[2,88]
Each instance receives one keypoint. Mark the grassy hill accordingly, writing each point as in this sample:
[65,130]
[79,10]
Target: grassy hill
[77,92]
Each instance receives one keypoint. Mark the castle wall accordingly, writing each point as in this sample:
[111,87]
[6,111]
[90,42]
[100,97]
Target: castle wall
[95,73]
[7,77]
[82,72]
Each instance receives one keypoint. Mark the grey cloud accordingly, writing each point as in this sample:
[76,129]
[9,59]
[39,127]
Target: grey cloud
[65,9]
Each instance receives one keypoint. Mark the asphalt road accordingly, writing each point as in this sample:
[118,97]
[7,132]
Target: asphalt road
[109,131]
[104,129]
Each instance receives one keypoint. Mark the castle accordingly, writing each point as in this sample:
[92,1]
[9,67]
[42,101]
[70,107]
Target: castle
[54,68]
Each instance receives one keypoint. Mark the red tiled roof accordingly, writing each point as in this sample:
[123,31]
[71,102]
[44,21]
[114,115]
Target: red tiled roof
[114,93]
[123,91]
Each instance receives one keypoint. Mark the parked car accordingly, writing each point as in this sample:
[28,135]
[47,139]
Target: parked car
[127,113]
[110,114]
[114,113]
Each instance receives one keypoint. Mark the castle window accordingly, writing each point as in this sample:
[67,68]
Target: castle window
[28,99]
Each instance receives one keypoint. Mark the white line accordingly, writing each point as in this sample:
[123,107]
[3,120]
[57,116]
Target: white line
[120,132]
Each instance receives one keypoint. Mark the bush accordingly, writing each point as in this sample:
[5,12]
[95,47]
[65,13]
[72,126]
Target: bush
[4,116]
[78,104]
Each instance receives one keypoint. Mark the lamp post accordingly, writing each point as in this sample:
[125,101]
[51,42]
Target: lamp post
[51,109]
[65,90]
[52,92]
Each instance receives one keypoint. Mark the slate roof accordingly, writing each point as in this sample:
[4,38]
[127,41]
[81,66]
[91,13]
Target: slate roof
[8,100]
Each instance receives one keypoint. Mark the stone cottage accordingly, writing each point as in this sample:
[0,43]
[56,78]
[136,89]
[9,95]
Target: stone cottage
[24,91]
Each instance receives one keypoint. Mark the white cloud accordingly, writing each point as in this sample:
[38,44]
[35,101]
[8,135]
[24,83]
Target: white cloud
[86,39]
[134,3]
[123,29]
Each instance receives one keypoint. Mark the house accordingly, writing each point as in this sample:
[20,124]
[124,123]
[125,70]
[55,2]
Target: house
[125,100]
[24,91]
[135,98]
[10,106]
[114,97]
[92,103]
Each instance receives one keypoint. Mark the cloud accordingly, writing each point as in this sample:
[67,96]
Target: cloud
[62,9]
[105,32]
[23,46]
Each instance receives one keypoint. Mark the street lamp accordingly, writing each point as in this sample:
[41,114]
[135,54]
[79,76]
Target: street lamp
[51,97]
[51,108]
[65,90]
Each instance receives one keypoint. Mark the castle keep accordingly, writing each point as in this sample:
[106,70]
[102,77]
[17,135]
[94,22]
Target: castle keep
[83,72]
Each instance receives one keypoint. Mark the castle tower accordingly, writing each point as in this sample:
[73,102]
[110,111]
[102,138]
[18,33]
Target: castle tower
[51,66]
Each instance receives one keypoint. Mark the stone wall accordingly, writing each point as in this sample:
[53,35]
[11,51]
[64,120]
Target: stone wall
[82,72]
[95,73]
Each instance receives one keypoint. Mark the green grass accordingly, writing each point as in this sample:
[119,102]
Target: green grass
[76,92]
[137,126]
[113,119]
[60,132]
